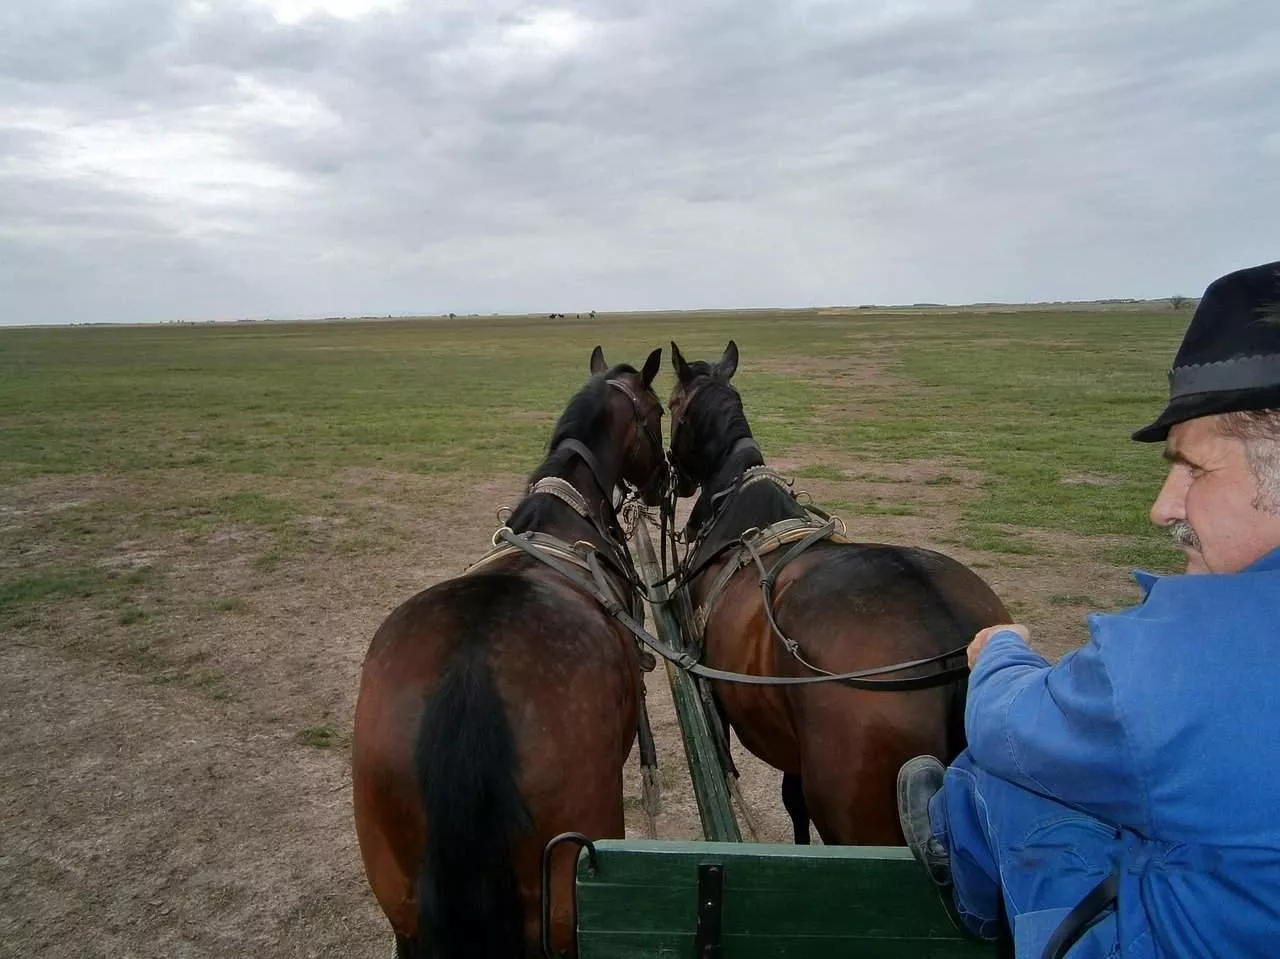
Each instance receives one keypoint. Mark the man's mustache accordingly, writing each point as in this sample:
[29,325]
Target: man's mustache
[1184,535]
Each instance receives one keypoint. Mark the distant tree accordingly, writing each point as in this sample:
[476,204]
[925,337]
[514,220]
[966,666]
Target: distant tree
[1177,302]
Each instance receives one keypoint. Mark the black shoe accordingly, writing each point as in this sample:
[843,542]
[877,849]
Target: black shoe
[918,780]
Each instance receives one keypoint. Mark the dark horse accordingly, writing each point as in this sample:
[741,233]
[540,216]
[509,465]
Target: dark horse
[848,606]
[497,708]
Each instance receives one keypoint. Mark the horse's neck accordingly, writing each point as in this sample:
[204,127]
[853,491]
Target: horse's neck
[566,523]
[723,514]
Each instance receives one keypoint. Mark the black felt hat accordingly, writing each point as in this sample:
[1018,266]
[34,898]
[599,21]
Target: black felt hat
[1229,359]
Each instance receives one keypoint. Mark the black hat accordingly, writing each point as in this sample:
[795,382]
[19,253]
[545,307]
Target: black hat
[1229,359]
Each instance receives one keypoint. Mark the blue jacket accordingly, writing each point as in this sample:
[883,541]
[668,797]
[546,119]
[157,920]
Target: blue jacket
[1167,726]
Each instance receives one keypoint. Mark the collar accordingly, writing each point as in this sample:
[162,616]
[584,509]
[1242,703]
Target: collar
[1146,580]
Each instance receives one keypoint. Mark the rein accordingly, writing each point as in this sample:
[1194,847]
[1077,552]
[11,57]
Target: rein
[598,588]
[748,552]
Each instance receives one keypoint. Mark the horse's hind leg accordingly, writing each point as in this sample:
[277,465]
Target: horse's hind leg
[797,809]
[403,950]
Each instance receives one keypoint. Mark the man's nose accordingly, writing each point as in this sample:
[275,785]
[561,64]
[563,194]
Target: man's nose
[1170,504]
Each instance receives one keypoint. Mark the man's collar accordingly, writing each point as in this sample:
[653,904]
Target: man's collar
[1147,580]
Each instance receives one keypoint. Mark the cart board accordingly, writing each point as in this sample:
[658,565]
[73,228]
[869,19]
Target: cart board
[699,900]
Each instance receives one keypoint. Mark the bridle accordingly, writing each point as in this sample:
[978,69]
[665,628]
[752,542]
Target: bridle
[653,436]
[685,479]
[609,523]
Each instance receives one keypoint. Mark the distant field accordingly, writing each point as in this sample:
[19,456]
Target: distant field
[200,527]
[1041,403]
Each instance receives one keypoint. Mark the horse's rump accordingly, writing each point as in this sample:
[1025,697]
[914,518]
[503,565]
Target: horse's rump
[516,689]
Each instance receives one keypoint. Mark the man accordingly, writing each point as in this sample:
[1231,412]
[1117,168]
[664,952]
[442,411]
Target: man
[1138,781]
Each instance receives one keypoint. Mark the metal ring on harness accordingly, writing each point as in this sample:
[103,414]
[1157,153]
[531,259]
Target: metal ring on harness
[593,863]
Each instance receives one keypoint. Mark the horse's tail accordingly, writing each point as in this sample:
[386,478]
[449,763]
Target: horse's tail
[468,896]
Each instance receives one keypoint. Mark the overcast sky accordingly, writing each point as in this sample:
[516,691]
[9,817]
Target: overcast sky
[201,159]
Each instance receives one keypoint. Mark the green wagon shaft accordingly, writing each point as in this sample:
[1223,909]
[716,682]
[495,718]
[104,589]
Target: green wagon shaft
[710,781]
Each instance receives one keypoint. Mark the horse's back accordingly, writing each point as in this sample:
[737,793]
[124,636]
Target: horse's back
[923,596]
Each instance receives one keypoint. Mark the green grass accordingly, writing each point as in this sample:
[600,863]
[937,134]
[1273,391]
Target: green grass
[319,737]
[1031,400]
[876,508]
[34,588]
[1074,599]
[819,471]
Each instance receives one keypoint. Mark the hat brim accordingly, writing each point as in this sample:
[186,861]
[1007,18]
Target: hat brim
[1195,405]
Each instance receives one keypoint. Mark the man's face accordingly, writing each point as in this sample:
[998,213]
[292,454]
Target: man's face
[1211,489]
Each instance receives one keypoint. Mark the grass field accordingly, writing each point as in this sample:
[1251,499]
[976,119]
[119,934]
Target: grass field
[200,527]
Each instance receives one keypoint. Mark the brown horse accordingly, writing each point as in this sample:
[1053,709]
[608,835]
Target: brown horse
[497,709]
[848,606]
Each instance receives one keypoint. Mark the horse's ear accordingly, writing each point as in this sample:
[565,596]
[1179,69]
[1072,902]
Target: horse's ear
[728,364]
[598,365]
[651,367]
[683,373]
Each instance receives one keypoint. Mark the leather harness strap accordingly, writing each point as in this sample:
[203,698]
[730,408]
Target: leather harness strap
[859,679]
[754,544]
[1081,918]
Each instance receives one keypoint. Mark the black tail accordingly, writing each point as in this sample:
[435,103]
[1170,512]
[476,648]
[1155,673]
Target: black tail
[468,896]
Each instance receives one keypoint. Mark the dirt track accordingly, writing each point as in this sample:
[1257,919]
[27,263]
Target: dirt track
[179,786]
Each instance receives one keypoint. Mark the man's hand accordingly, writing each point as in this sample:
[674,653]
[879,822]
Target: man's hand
[980,641]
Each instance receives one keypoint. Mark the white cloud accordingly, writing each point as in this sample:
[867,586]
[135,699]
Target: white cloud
[478,155]
[291,12]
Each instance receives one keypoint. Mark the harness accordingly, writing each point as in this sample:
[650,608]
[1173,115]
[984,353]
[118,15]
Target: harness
[751,547]
[573,560]
[554,552]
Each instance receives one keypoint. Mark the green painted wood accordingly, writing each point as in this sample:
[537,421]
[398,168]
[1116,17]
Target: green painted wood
[779,900]
[789,946]
[710,787]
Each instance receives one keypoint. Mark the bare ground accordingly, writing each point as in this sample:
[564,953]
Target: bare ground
[175,778]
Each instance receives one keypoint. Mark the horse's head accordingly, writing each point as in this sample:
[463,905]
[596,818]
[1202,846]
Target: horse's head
[703,426]
[636,418]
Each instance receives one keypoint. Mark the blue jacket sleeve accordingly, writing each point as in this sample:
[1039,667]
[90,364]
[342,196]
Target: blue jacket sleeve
[1054,730]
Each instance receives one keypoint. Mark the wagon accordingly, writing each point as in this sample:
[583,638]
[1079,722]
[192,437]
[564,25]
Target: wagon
[725,899]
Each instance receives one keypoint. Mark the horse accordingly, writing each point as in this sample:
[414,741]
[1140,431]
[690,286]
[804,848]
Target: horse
[845,606]
[497,708]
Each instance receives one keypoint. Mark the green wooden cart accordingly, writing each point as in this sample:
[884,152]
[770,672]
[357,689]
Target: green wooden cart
[726,899]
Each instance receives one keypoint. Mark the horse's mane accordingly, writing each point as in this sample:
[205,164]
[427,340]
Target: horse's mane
[717,419]
[718,422]
[582,420]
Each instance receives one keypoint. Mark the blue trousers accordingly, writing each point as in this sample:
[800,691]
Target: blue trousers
[1042,856]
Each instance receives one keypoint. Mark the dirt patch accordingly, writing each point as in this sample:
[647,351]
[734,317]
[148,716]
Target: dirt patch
[867,371]
[175,778]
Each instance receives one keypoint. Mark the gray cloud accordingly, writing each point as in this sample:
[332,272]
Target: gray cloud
[168,159]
